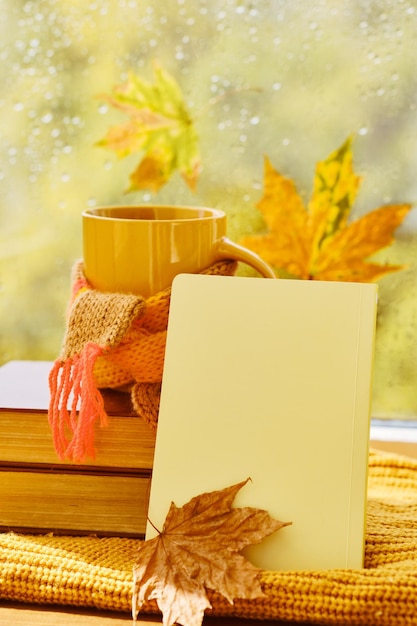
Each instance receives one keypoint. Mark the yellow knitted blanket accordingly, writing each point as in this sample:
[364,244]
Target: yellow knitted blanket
[93,572]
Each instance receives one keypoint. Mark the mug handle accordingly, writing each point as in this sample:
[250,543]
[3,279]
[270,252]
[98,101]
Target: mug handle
[227,249]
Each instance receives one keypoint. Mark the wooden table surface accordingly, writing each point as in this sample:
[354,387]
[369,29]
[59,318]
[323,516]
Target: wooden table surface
[15,614]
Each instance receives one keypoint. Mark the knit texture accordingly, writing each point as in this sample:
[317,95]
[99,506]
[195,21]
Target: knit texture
[93,572]
[112,340]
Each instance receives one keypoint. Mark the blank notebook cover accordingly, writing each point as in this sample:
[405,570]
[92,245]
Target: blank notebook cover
[271,379]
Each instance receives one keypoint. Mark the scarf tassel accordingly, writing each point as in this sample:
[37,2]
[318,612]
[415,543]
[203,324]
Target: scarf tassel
[75,404]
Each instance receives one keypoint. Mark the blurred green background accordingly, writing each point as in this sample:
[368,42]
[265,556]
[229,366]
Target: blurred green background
[300,78]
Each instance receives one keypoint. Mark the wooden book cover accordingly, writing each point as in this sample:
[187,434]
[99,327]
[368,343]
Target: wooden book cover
[271,380]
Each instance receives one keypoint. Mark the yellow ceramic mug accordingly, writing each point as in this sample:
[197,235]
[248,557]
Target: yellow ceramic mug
[140,249]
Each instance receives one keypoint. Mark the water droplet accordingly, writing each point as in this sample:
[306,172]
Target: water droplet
[276,86]
[65,177]
[254,120]
[102,109]
[19,106]
[363,131]
[47,118]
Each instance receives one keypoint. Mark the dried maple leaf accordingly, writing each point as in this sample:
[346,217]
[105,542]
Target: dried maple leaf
[159,127]
[317,242]
[197,549]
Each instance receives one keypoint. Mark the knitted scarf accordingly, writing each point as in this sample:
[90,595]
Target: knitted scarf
[112,340]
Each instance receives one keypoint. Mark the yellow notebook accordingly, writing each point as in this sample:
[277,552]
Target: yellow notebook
[271,379]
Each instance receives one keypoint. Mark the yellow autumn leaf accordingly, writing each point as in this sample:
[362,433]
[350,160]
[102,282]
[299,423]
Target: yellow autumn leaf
[159,127]
[334,191]
[317,241]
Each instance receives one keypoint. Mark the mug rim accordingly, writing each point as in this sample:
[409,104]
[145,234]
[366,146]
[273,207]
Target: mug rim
[209,213]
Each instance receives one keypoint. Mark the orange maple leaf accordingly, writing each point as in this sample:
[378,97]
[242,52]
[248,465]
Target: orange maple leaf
[199,548]
[159,127]
[317,242]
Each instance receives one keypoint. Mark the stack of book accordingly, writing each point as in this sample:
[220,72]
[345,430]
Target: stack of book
[40,493]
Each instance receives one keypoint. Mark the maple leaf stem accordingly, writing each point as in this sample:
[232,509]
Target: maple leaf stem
[153,526]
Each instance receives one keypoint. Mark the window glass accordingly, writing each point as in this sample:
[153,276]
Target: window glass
[290,80]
